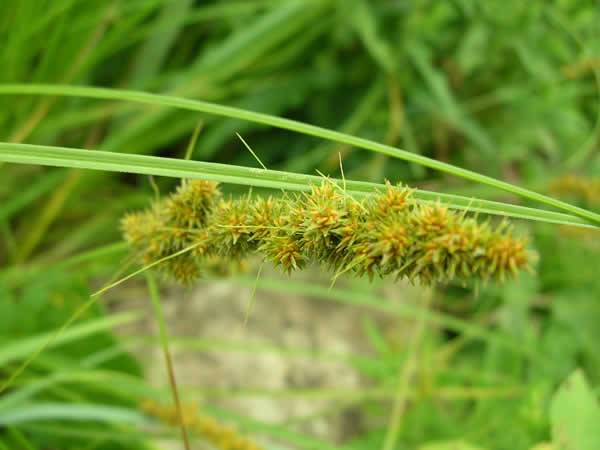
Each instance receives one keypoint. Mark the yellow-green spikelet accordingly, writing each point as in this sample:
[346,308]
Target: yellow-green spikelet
[386,234]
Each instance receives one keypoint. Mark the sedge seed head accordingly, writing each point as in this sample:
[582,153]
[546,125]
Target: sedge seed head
[264,212]
[390,243]
[231,228]
[285,252]
[505,257]
[189,206]
[219,435]
[393,200]
[139,227]
[325,213]
[430,220]
[387,233]
[182,268]
[201,244]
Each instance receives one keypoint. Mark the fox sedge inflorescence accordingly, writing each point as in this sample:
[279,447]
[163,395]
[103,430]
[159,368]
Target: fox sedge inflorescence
[388,233]
[219,435]
[584,188]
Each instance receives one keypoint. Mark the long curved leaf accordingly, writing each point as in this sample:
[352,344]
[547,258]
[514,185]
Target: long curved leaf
[292,125]
[153,165]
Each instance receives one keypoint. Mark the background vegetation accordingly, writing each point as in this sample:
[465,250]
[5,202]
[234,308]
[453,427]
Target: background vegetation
[505,88]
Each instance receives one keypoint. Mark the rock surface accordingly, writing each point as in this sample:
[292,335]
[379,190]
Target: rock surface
[288,363]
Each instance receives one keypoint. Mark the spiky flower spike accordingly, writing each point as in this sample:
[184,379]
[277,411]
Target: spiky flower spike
[214,432]
[386,234]
[172,225]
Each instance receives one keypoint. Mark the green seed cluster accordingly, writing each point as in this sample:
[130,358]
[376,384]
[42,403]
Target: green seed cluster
[385,234]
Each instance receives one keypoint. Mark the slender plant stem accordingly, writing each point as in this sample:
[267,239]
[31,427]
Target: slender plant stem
[405,377]
[164,340]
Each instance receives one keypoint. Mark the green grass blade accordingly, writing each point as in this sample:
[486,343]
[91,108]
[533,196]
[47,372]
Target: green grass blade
[153,165]
[15,275]
[116,383]
[373,302]
[292,125]
[22,348]
[21,200]
[71,412]
[164,341]
[126,435]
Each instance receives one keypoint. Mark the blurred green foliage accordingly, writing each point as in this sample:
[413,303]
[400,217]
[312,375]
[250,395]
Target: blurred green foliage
[507,88]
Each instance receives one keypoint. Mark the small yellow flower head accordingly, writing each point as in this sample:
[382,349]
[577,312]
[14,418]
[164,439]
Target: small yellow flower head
[284,251]
[394,200]
[183,268]
[191,203]
[430,221]
[264,212]
[169,226]
[349,230]
[231,227]
[448,255]
[325,213]
[391,242]
[145,233]
[136,228]
[202,245]
[505,257]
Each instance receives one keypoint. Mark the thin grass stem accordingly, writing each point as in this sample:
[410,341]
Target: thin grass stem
[164,341]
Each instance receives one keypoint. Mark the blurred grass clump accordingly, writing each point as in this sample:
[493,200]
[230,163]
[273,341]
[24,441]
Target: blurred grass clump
[508,89]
